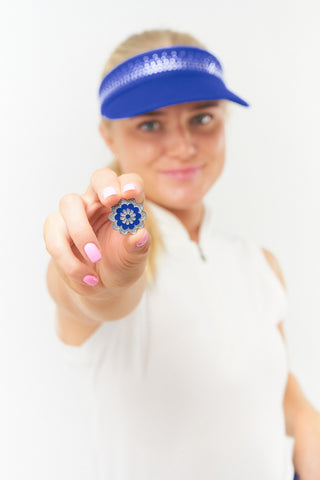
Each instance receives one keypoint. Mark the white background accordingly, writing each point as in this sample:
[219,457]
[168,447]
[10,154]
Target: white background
[52,56]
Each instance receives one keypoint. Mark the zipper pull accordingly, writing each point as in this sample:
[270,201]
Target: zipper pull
[201,253]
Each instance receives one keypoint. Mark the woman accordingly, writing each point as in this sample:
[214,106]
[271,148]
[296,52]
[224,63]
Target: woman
[176,320]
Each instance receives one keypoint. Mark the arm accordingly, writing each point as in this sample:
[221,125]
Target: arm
[301,418]
[119,267]
[303,424]
[294,401]
[77,316]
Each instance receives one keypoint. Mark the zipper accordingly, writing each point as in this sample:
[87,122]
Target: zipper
[201,252]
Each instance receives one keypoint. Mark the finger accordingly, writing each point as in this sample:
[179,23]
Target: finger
[104,182]
[91,201]
[73,211]
[77,274]
[110,188]
[126,265]
[132,186]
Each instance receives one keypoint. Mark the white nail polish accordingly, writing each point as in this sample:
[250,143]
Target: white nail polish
[108,191]
[129,186]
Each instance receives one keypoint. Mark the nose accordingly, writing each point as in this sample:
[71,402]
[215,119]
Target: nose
[180,143]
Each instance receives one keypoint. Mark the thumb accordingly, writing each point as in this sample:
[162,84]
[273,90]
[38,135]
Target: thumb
[139,243]
[134,256]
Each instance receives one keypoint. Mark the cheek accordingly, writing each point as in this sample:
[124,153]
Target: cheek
[139,153]
[212,144]
[215,153]
[218,145]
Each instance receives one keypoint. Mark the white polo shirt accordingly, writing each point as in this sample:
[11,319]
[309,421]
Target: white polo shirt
[190,385]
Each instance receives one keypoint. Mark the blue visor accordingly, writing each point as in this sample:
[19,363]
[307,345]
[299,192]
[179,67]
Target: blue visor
[162,77]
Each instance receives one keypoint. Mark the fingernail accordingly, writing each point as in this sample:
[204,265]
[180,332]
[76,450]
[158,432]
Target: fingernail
[90,280]
[108,191]
[129,186]
[93,252]
[143,240]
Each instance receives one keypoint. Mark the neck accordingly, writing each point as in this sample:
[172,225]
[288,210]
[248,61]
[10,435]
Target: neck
[191,219]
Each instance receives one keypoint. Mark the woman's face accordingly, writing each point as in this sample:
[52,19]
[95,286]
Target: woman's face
[178,150]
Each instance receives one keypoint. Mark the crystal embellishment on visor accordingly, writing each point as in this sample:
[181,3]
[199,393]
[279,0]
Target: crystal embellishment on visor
[127,216]
[181,58]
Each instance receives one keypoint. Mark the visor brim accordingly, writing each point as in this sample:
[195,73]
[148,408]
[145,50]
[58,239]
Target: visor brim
[162,90]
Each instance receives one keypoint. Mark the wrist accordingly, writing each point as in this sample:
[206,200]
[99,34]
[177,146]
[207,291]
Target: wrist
[111,304]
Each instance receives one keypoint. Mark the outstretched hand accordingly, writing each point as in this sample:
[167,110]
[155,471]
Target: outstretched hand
[83,244]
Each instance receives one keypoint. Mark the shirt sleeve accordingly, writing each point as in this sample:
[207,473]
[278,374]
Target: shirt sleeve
[275,296]
[87,353]
[101,342]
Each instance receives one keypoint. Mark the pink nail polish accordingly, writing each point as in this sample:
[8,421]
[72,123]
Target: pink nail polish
[92,252]
[143,240]
[90,280]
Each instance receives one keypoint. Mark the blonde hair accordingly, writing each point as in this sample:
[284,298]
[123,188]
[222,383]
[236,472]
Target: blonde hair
[133,45]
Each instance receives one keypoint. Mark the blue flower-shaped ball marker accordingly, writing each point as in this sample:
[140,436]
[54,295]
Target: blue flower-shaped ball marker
[127,216]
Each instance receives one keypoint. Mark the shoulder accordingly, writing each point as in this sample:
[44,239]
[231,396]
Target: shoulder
[274,264]
[248,245]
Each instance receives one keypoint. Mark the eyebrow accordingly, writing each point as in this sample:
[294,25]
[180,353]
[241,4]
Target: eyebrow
[211,103]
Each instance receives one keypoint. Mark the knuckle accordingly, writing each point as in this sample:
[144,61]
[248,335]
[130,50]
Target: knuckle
[74,271]
[134,178]
[49,230]
[94,176]
[68,199]
[48,222]
[46,225]
[54,249]
[80,234]
[128,262]
[101,172]
[138,178]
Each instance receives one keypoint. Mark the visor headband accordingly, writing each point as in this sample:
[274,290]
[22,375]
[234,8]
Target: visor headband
[157,62]
[162,77]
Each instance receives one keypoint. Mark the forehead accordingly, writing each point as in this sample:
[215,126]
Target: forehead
[182,107]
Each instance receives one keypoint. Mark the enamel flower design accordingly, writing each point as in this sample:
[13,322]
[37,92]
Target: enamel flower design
[127,216]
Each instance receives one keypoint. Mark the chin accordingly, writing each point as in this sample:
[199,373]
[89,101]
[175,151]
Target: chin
[181,203]
[178,197]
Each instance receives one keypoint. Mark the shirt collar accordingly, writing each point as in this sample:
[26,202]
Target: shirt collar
[172,229]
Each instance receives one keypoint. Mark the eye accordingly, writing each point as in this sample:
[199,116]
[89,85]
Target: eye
[202,116]
[144,126]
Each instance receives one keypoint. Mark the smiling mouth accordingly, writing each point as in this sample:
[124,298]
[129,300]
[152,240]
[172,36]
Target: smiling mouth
[182,173]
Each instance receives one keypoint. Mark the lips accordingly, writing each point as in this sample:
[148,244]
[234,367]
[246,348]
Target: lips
[183,170]
[183,173]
